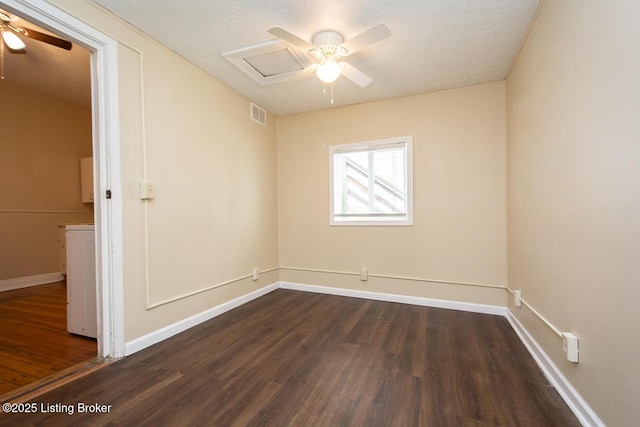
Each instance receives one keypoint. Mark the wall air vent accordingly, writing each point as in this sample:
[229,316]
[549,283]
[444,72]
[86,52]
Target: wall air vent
[269,62]
[258,114]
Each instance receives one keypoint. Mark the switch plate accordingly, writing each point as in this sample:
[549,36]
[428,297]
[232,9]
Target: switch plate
[364,274]
[570,347]
[255,273]
[147,190]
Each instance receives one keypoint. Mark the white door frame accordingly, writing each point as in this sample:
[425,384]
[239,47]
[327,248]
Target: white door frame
[106,149]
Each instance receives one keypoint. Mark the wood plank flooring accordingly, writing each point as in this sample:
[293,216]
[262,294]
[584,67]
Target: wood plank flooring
[34,342]
[300,359]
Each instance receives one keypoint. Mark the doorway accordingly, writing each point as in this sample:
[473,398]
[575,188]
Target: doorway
[46,119]
[105,137]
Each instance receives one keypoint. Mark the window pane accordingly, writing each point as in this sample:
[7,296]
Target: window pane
[388,171]
[370,182]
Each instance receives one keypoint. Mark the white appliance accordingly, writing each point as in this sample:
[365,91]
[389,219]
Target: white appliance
[82,316]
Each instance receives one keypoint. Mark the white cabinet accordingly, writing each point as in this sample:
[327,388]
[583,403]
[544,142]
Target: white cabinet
[82,316]
[86,179]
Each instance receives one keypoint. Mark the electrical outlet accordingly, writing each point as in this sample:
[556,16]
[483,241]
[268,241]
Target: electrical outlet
[255,273]
[570,346]
[364,274]
[517,298]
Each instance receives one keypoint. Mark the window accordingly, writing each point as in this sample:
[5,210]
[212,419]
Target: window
[371,183]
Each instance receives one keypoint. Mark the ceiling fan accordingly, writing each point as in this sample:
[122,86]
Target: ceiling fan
[329,47]
[11,39]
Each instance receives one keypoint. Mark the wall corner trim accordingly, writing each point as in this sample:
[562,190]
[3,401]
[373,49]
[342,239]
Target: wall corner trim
[182,325]
[572,398]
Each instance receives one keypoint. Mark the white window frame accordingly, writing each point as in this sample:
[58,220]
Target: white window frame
[365,221]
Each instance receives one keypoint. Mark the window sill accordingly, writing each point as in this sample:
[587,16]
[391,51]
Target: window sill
[371,223]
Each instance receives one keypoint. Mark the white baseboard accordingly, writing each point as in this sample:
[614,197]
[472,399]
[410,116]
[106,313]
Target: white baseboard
[572,398]
[403,299]
[28,281]
[181,326]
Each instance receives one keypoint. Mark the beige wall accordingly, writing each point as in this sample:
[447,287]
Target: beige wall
[215,212]
[573,190]
[42,141]
[459,231]
[574,193]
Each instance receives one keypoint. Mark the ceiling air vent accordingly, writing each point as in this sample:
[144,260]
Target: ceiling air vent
[258,114]
[269,62]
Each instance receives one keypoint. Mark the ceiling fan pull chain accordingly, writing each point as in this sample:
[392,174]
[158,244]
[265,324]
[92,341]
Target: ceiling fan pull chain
[332,93]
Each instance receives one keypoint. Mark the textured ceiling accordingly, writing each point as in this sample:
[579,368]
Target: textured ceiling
[435,44]
[58,72]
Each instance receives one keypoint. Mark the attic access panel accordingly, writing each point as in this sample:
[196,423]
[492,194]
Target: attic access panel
[269,62]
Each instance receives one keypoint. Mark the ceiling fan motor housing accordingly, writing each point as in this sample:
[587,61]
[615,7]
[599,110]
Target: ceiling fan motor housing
[328,44]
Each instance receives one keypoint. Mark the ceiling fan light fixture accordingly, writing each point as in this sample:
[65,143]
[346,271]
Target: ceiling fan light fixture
[329,70]
[12,41]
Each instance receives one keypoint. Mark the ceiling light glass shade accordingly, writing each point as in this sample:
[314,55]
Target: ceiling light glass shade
[12,40]
[328,71]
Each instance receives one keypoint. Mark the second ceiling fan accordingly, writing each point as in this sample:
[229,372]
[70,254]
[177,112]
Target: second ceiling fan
[11,39]
[329,47]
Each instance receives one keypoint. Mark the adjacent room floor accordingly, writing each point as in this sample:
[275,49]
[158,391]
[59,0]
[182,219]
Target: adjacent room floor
[34,342]
[297,358]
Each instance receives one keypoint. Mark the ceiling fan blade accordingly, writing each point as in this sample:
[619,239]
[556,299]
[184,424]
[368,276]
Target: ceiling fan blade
[355,75]
[12,42]
[369,37]
[46,38]
[285,35]
[23,50]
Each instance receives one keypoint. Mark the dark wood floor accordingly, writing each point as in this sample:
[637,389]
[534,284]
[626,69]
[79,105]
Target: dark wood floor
[34,342]
[303,359]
